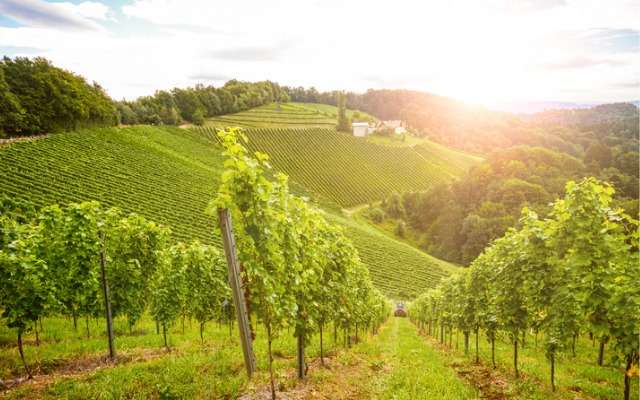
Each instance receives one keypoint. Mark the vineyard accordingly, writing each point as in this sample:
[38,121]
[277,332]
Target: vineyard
[350,170]
[84,261]
[168,175]
[572,275]
[275,116]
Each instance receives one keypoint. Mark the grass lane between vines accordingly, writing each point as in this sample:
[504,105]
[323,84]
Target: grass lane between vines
[577,377]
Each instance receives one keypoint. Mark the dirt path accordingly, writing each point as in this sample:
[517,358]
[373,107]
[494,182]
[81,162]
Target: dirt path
[79,367]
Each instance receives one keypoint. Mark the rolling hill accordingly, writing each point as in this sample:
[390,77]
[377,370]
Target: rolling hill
[302,142]
[169,175]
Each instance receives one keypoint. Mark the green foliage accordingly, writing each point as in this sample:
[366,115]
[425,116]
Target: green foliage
[198,117]
[36,97]
[287,251]
[343,124]
[194,104]
[375,214]
[70,246]
[134,247]
[167,175]
[460,219]
[567,273]
[205,274]
[25,280]
[168,289]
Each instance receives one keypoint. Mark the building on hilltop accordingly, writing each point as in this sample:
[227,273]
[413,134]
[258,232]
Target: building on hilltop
[361,129]
[396,125]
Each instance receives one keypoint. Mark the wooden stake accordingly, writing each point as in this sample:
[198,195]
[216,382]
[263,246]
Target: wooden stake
[105,292]
[235,282]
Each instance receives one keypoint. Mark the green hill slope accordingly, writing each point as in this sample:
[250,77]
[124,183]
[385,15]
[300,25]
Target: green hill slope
[350,170]
[288,115]
[169,175]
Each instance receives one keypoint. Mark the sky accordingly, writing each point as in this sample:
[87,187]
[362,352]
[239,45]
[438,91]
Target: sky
[486,52]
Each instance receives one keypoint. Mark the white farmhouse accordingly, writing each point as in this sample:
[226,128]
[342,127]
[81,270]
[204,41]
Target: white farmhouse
[395,124]
[360,129]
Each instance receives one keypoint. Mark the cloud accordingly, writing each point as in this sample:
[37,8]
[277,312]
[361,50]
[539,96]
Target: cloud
[209,76]
[11,51]
[626,85]
[613,40]
[583,62]
[66,16]
[250,53]
[521,7]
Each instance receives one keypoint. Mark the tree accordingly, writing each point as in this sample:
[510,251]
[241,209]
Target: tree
[198,117]
[343,121]
[37,97]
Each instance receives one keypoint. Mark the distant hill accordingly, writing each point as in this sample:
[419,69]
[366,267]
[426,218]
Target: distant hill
[477,129]
[337,166]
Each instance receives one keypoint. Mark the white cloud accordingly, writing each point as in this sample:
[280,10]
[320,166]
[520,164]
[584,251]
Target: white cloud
[64,16]
[463,49]
[87,9]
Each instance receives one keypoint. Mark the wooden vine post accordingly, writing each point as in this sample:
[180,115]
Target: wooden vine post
[105,292]
[235,282]
[300,365]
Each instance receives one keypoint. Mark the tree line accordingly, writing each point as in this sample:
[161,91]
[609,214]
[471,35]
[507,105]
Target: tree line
[572,273]
[37,97]
[194,104]
[456,221]
[479,130]
[301,272]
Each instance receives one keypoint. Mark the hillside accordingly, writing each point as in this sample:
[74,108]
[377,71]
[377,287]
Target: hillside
[275,116]
[285,115]
[169,175]
[350,170]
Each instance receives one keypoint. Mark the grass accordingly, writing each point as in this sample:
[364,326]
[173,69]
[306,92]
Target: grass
[416,371]
[394,364]
[169,175]
[576,377]
[192,369]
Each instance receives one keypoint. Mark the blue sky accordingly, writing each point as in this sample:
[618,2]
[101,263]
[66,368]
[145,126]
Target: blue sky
[500,51]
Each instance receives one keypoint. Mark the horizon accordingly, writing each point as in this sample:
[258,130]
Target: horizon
[583,55]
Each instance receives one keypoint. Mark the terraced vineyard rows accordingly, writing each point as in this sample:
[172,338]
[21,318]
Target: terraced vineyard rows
[349,170]
[406,268]
[169,175]
[136,169]
[270,116]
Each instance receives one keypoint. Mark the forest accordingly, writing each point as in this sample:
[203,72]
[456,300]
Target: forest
[37,97]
